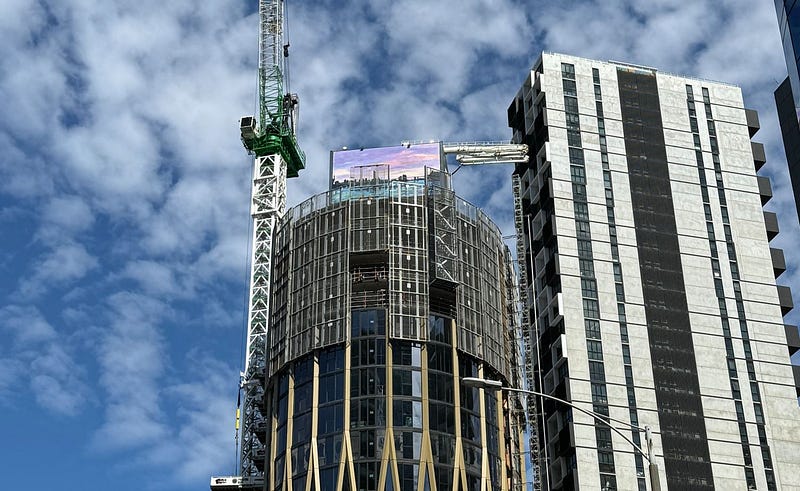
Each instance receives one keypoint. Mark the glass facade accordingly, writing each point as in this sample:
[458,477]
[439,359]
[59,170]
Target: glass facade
[380,310]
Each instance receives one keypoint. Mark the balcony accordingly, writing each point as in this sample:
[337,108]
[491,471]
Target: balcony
[771,224]
[796,371]
[752,121]
[759,156]
[785,299]
[792,338]
[778,261]
[764,189]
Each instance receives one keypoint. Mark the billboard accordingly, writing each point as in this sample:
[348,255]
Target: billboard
[405,162]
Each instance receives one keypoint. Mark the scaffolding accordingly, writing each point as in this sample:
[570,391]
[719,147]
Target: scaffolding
[529,338]
[412,247]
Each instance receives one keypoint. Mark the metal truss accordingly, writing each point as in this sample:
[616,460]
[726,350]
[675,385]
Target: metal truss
[267,207]
[527,340]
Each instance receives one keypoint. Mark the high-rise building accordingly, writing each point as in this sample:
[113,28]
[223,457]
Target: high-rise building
[388,289]
[787,95]
[649,282]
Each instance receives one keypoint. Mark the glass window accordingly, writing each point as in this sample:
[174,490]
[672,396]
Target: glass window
[589,287]
[568,71]
[591,308]
[576,156]
[617,272]
[606,460]
[581,211]
[578,174]
[603,435]
[595,350]
[573,121]
[592,328]
[596,372]
[586,267]
[579,192]
[584,249]
[582,229]
[573,138]
[569,87]
[599,393]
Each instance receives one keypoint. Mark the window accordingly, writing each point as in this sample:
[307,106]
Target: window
[596,75]
[591,308]
[573,137]
[582,229]
[586,267]
[592,328]
[599,393]
[576,156]
[579,192]
[578,174]
[597,372]
[617,272]
[571,104]
[603,435]
[629,375]
[621,312]
[573,121]
[568,71]
[589,288]
[569,87]
[584,249]
[595,350]
[606,460]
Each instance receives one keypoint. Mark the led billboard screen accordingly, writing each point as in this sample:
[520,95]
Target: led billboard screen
[401,162]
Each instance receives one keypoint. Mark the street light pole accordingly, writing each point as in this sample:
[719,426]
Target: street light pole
[655,481]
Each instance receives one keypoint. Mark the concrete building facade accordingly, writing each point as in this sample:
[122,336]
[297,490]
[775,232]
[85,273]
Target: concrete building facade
[649,283]
[387,292]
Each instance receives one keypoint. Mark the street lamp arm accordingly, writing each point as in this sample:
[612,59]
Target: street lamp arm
[655,480]
[598,417]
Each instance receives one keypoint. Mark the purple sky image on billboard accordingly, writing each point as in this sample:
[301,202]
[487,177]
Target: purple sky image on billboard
[409,161]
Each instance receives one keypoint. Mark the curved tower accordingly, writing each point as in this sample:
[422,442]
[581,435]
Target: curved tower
[387,289]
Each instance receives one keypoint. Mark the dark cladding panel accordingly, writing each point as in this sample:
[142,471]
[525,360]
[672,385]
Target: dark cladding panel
[790,131]
[680,409]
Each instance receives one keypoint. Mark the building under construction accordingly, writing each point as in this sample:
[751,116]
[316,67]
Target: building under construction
[387,290]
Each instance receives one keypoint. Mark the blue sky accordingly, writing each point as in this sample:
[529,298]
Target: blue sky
[124,186]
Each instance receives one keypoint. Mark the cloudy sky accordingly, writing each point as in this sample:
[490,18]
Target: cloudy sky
[124,187]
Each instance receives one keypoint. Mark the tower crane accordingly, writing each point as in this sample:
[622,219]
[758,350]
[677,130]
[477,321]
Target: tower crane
[270,138]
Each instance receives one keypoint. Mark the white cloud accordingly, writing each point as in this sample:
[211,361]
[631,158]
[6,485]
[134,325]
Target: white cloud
[66,215]
[41,360]
[65,263]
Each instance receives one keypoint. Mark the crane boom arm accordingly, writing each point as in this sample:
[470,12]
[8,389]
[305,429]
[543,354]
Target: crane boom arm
[487,152]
